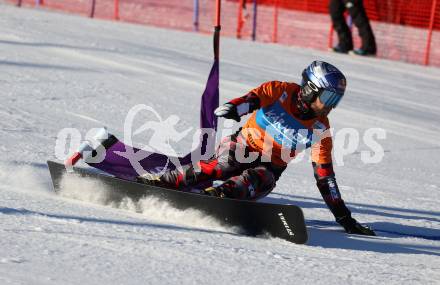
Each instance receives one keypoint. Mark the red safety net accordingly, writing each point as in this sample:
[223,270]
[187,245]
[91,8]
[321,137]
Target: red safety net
[401,27]
[403,12]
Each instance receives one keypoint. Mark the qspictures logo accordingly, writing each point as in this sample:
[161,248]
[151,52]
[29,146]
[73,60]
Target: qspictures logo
[162,135]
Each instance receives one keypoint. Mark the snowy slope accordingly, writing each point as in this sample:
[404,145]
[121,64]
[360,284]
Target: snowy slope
[61,71]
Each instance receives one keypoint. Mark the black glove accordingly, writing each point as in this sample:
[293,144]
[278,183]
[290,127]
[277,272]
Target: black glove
[228,111]
[351,226]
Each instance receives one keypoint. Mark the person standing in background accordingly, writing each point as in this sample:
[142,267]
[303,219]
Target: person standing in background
[359,17]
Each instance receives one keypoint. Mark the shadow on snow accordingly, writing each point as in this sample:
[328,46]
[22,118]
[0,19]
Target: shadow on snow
[329,234]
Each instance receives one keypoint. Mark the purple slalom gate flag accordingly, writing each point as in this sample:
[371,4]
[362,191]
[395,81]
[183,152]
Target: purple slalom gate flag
[118,164]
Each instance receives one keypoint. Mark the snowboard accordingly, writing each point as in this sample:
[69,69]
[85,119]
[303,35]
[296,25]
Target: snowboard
[254,218]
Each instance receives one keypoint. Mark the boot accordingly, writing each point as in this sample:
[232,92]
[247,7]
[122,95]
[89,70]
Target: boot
[363,52]
[339,49]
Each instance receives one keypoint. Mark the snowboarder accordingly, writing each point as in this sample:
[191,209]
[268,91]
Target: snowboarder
[286,118]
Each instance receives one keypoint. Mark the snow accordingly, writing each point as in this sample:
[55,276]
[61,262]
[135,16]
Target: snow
[62,71]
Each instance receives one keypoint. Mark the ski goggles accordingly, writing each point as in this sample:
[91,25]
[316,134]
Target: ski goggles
[327,97]
[330,98]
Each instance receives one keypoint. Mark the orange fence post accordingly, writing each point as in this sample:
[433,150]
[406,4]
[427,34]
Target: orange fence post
[240,20]
[116,12]
[431,26]
[217,28]
[275,22]
[217,14]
